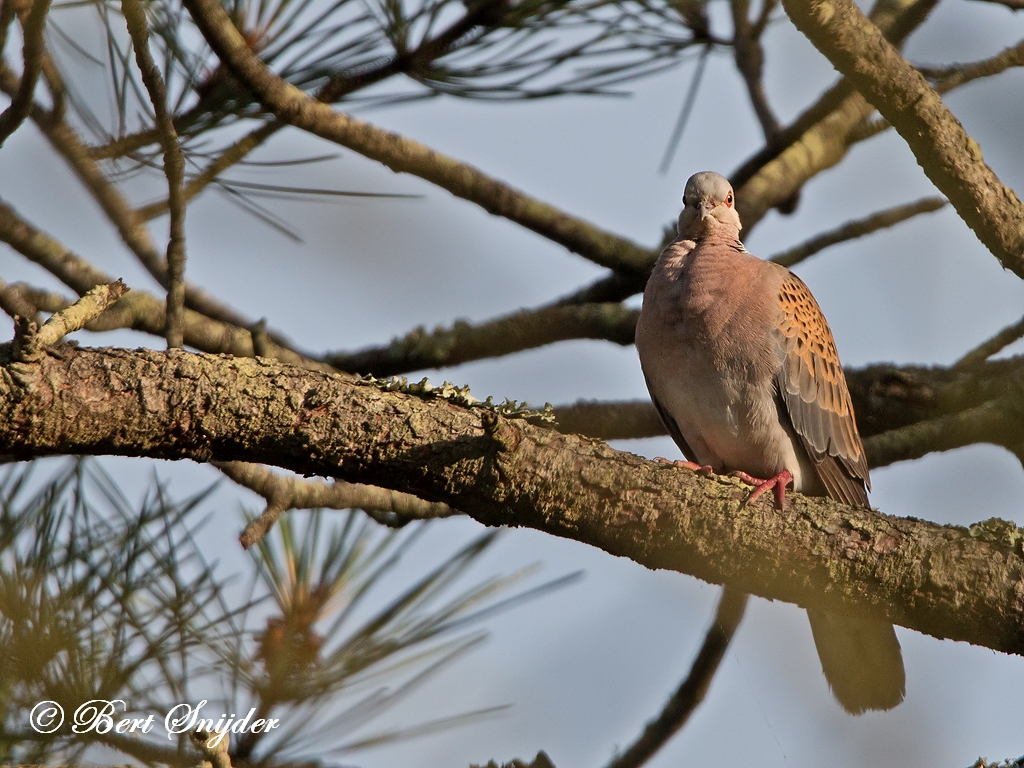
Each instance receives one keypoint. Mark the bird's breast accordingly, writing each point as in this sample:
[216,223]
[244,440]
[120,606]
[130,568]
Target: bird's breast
[710,361]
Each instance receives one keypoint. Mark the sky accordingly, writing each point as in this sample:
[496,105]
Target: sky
[585,667]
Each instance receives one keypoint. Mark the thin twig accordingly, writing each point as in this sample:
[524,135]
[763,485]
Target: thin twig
[282,493]
[691,692]
[14,302]
[174,169]
[762,20]
[335,89]
[684,113]
[30,339]
[854,229]
[749,56]
[55,85]
[8,13]
[138,310]
[984,351]
[464,342]
[133,232]
[32,52]
[404,155]
[132,229]
[954,77]
[613,287]
[231,156]
[1013,5]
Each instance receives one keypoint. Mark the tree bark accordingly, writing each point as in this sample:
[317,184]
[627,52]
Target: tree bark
[945,581]
[944,150]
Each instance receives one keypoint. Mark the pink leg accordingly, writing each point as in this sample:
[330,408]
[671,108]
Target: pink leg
[700,469]
[779,483]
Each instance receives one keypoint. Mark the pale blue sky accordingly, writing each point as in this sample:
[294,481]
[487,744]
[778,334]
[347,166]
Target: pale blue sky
[585,667]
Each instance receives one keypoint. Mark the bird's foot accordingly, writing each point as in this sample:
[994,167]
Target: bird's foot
[778,483]
[700,469]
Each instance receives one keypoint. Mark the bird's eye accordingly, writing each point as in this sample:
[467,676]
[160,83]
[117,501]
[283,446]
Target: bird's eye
[728,199]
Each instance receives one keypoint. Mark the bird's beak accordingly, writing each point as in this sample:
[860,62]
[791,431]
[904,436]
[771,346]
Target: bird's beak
[705,207]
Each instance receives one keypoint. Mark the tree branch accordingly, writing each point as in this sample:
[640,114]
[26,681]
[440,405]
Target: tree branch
[693,689]
[463,342]
[33,26]
[615,286]
[817,139]
[610,420]
[282,493]
[337,87]
[138,310]
[854,229]
[174,169]
[749,57]
[130,226]
[948,79]
[1013,5]
[228,158]
[885,397]
[407,156]
[997,343]
[30,339]
[941,580]
[948,156]
[1000,421]
[14,302]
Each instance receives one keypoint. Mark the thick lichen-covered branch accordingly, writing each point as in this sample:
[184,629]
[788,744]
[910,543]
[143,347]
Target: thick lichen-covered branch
[886,398]
[943,580]
[948,156]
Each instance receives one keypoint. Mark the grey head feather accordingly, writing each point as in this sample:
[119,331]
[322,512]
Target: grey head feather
[708,202]
[704,185]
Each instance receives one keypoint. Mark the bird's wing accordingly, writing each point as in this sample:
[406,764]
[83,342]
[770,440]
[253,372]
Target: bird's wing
[813,389]
[671,426]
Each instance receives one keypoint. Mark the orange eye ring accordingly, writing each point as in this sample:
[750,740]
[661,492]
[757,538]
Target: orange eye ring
[728,200]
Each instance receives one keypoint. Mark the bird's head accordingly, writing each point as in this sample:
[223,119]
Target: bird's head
[708,204]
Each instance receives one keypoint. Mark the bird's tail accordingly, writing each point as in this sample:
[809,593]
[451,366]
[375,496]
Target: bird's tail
[861,660]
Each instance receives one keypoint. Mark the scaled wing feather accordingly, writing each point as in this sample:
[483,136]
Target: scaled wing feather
[813,389]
